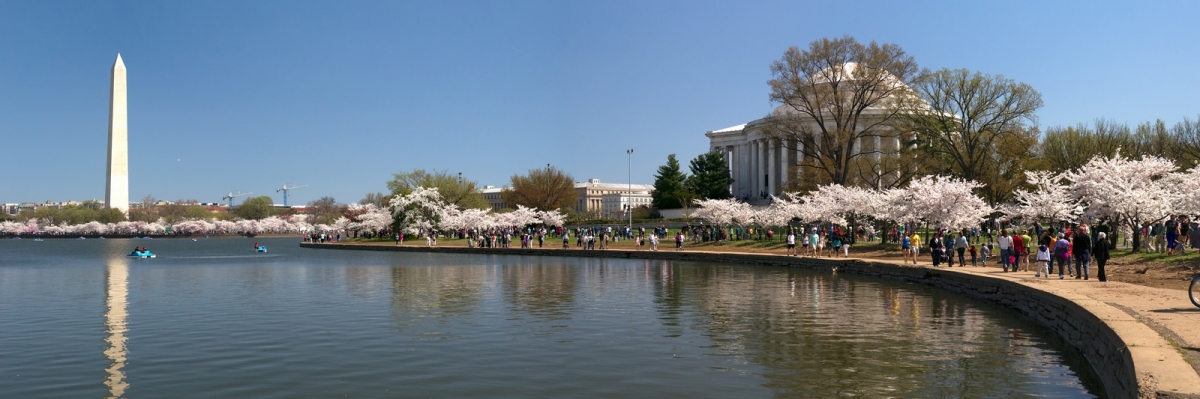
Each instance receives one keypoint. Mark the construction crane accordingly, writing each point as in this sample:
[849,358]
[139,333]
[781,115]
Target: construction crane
[231,196]
[285,190]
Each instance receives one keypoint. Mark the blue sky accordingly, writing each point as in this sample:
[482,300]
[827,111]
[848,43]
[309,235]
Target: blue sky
[339,95]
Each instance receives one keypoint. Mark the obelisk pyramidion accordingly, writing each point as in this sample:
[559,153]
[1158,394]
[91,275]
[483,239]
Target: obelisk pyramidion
[116,193]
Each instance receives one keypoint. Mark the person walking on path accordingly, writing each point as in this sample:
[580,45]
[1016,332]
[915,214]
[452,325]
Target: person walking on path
[961,247]
[1082,249]
[915,243]
[1005,243]
[1062,251]
[935,250]
[791,243]
[1018,251]
[905,248]
[1043,261]
[1100,252]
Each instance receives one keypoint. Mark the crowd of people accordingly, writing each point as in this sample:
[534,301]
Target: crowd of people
[1072,247]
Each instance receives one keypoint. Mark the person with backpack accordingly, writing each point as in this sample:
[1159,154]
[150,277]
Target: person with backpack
[1043,261]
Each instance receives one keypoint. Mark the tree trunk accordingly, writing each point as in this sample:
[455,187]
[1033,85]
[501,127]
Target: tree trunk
[1137,238]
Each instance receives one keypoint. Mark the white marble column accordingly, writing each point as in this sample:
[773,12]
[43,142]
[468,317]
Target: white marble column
[772,167]
[760,166]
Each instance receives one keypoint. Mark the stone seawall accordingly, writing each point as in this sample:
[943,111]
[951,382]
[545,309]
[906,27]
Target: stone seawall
[1073,319]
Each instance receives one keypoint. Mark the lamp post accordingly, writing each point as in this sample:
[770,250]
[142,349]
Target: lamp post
[629,201]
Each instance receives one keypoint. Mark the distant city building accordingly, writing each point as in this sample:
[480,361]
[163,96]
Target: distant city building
[491,194]
[617,205]
[589,195]
[12,209]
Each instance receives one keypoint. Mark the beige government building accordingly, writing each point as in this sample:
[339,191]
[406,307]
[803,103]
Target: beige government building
[592,196]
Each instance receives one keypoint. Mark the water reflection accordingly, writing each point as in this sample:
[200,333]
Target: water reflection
[546,291]
[117,288]
[822,335]
[420,294]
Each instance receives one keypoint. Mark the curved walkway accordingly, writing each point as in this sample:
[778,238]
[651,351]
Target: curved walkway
[1158,328]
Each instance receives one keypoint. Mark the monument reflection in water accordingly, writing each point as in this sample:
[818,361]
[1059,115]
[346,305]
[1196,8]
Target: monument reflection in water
[115,321]
[211,318]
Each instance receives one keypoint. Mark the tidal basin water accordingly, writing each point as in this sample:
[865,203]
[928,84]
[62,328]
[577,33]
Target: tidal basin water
[211,318]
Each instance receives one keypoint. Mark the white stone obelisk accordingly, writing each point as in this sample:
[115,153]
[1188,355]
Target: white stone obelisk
[116,193]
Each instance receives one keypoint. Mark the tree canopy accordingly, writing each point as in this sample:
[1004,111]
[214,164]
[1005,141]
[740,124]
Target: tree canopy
[963,115]
[453,188]
[256,208]
[825,93]
[547,188]
[710,176]
[668,185]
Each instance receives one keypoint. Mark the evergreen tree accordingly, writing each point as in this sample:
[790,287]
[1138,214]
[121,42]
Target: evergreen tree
[668,184]
[710,176]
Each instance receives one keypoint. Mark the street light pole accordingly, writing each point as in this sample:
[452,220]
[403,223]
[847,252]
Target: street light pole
[629,201]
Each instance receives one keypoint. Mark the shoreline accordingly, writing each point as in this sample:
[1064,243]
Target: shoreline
[1114,325]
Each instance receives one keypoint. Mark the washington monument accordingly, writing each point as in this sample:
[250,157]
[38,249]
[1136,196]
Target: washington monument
[116,192]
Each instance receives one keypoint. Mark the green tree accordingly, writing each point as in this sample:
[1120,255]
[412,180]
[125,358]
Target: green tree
[668,184]
[256,208]
[197,212]
[545,189]
[963,115]
[1069,148]
[110,215]
[710,176]
[453,188]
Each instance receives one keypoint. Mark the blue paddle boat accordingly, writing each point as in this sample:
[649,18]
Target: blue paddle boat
[141,254]
[260,248]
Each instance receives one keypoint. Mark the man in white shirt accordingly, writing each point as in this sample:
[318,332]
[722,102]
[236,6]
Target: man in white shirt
[1005,244]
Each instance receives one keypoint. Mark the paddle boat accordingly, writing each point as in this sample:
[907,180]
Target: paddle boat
[37,240]
[260,248]
[141,254]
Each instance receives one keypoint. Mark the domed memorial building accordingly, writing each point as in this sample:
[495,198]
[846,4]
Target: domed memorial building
[836,124]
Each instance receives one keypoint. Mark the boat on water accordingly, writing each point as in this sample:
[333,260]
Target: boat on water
[38,239]
[260,248]
[141,254]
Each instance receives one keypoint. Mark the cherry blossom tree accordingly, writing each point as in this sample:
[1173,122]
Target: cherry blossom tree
[1051,201]
[724,212]
[417,211]
[1188,184]
[552,218]
[1134,192]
